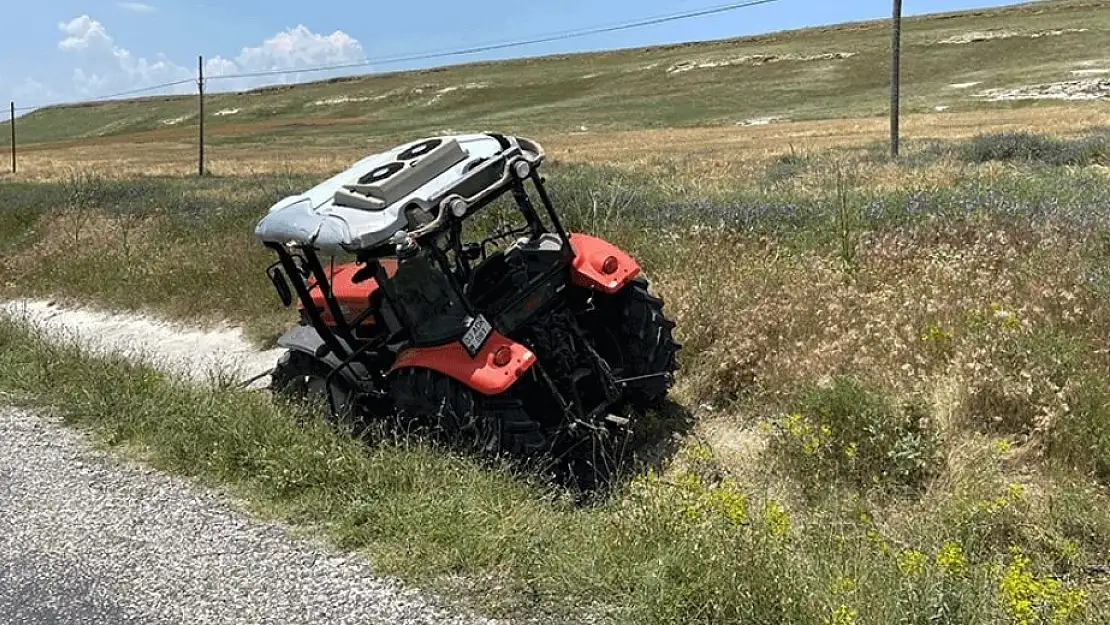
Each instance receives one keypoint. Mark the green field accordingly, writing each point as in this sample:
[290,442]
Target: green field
[782,75]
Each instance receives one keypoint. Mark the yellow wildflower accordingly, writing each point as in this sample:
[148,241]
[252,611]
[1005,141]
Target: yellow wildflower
[776,519]
[843,615]
[911,563]
[700,452]
[1028,599]
[877,540]
[729,502]
[951,559]
[842,584]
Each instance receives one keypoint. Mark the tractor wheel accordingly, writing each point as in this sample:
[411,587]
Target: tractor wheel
[647,340]
[455,414]
[301,381]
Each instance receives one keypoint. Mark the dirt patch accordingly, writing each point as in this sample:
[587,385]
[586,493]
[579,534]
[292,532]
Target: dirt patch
[446,90]
[755,60]
[339,101]
[738,447]
[199,354]
[762,121]
[1070,90]
[978,36]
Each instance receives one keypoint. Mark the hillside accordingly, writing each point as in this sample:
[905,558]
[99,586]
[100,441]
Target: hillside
[1025,55]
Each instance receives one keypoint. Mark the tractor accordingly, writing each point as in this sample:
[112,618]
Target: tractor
[438,290]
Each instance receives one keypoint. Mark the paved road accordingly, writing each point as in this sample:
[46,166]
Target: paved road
[87,540]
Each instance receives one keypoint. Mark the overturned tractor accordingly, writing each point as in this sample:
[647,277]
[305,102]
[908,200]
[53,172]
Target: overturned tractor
[460,308]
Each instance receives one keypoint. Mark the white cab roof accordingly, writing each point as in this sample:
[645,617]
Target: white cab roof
[364,206]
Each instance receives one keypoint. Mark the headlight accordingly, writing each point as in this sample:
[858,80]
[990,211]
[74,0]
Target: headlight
[522,169]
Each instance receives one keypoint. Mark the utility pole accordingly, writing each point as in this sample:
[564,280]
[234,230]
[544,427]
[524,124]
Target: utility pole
[13,137]
[200,87]
[895,76]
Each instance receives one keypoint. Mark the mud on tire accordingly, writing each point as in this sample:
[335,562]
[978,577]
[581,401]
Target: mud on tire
[454,414]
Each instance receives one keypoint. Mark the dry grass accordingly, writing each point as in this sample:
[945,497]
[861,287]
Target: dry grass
[710,157]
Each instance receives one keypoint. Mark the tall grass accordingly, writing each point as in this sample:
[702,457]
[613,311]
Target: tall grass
[679,547]
[923,442]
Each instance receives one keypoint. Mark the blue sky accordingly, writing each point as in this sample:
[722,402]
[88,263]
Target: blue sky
[65,50]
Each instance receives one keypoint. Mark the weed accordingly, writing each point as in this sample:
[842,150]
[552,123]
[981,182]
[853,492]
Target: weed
[1080,438]
[852,433]
[847,226]
[788,166]
[1035,148]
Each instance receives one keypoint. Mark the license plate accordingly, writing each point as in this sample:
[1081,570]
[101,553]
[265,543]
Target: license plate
[476,336]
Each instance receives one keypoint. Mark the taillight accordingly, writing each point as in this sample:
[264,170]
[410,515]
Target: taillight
[502,356]
[610,265]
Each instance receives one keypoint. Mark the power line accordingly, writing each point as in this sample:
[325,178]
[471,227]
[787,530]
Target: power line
[559,36]
[422,56]
[113,95]
[145,89]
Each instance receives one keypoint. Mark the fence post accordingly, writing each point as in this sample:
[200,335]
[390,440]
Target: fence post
[895,78]
[200,87]
[13,137]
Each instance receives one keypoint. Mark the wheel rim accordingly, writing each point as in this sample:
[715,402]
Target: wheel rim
[308,394]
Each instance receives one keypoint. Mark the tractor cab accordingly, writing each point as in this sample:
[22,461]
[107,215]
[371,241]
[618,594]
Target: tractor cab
[400,214]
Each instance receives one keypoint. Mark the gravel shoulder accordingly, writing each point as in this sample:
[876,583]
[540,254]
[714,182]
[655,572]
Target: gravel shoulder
[86,538]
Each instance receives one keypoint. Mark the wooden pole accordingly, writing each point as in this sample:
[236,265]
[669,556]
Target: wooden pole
[200,88]
[13,137]
[895,77]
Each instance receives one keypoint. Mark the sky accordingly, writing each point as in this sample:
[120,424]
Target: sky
[76,50]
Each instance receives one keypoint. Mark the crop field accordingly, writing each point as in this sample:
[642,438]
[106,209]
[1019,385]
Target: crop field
[894,397]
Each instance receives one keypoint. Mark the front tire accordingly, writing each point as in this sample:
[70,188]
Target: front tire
[300,380]
[456,414]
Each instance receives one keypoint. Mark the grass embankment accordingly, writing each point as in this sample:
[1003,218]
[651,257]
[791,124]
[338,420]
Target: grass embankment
[901,391]
[686,547]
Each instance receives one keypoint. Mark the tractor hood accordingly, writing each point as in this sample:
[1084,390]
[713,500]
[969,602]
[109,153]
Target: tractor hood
[364,206]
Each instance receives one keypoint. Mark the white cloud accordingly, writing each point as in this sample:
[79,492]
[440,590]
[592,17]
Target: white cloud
[137,7]
[285,53]
[298,48]
[84,33]
[104,67]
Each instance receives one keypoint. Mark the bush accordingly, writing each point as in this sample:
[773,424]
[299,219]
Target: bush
[1034,148]
[1022,378]
[854,434]
[1081,437]
[789,166]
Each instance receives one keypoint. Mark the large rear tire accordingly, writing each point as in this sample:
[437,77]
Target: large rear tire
[455,414]
[646,338]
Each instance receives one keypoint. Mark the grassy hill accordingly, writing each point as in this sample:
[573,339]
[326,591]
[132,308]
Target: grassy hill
[950,60]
